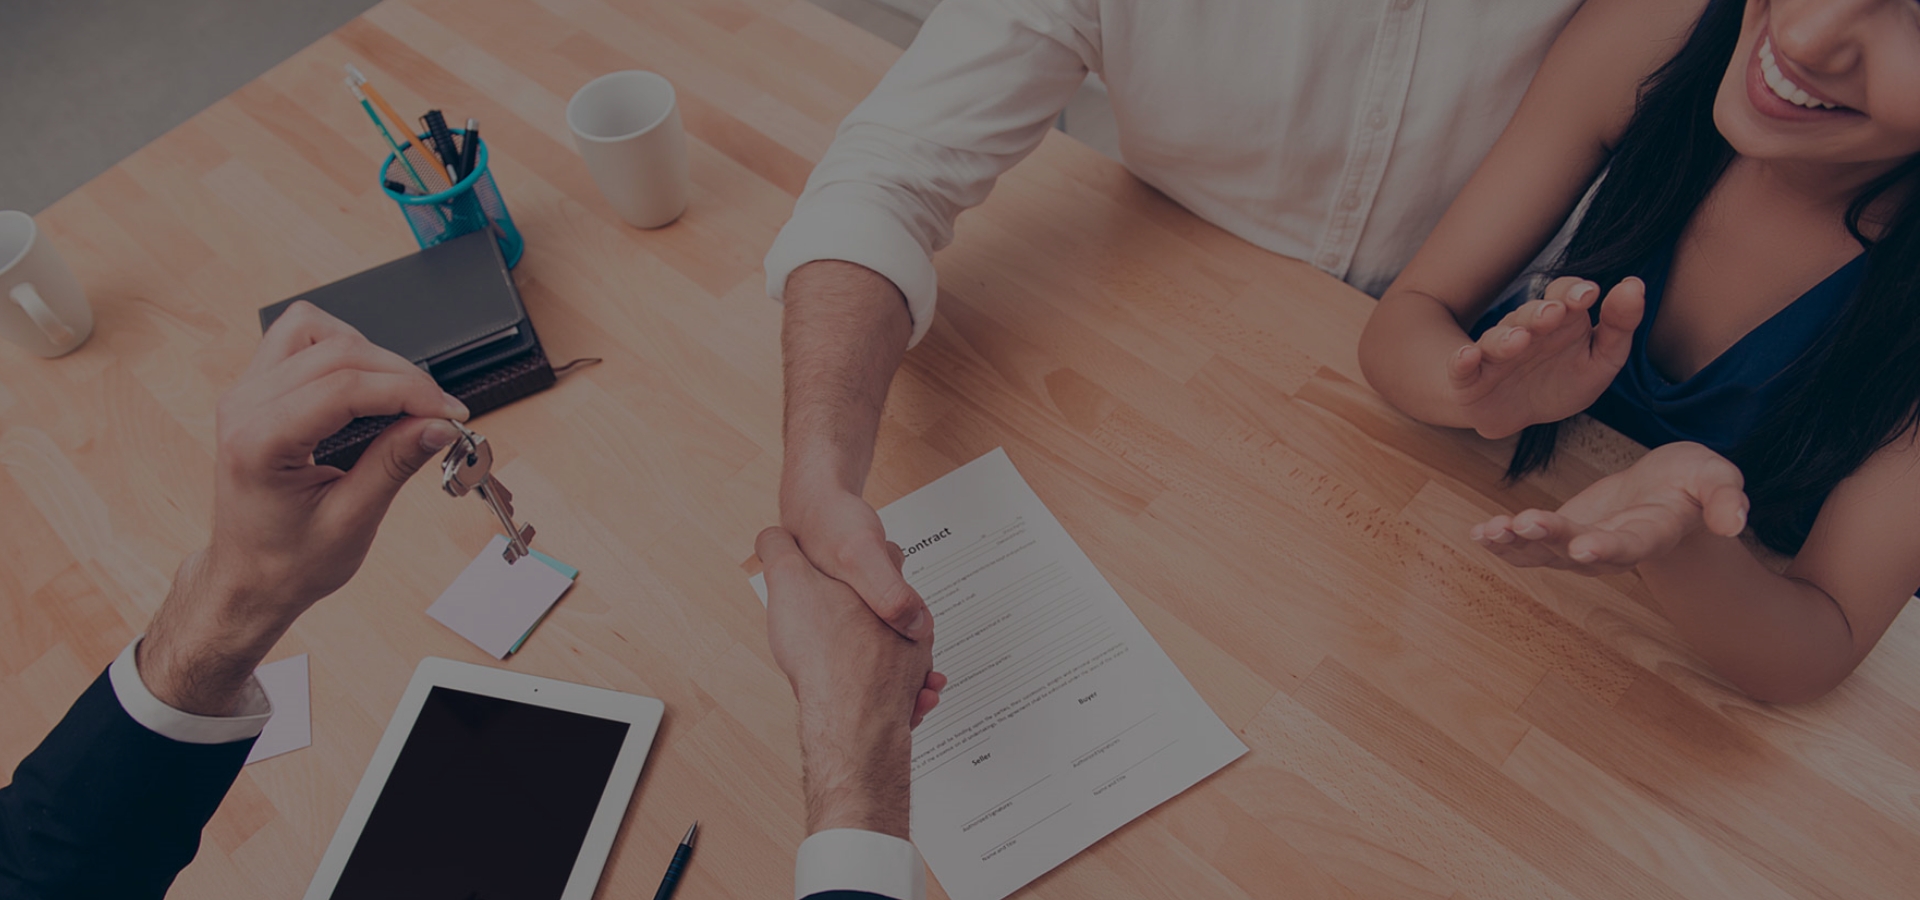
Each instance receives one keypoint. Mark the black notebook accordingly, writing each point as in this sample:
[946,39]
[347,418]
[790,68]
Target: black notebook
[452,309]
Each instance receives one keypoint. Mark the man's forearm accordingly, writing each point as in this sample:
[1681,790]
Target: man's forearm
[1778,639]
[845,331]
[857,774]
[205,642]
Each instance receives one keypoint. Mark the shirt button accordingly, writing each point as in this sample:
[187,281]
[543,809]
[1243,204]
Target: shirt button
[1350,202]
[1328,261]
[1403,5]
[1376,120]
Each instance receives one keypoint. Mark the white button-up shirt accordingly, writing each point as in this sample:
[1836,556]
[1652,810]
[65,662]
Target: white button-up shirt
[1333,131]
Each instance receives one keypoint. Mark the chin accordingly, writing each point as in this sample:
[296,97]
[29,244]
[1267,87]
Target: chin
[1747,132]
[1753,140]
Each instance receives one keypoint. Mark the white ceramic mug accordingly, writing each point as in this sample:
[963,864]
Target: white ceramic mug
[627,127]
[42,307]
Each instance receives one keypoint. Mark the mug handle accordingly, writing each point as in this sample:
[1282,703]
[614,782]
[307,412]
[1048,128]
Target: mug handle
[41,314]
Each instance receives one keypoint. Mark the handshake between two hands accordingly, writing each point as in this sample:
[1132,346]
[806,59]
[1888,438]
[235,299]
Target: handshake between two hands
[856,641]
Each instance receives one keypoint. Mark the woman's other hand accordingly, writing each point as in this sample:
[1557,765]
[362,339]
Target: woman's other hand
[1629,517]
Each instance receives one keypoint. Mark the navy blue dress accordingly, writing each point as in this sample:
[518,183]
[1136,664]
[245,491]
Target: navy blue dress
[1724,401]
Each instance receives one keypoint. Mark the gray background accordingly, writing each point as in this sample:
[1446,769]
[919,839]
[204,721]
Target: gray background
[84,83]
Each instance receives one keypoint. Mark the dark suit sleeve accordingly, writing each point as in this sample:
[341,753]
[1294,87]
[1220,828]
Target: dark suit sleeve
[104,808]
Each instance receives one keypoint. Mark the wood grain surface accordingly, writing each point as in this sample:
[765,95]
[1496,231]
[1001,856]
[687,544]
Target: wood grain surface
[1425,722]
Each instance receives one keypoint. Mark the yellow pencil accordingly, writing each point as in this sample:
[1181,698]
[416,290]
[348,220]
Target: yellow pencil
[422,160]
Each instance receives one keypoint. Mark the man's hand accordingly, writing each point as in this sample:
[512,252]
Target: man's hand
[841,534]
[1629,517]
[861,688]
[287,532]
[1546,360]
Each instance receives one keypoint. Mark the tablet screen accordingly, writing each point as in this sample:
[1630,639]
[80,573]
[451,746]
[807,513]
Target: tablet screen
[489,799]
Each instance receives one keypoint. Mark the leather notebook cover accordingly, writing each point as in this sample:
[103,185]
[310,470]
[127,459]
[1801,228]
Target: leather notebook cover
[425,306]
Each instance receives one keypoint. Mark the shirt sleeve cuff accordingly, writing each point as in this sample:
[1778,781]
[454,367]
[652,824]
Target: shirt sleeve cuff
[851,230]
[185,727]
[848,859]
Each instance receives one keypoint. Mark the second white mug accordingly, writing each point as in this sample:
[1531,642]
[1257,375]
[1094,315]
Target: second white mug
[627,127]
[42,306]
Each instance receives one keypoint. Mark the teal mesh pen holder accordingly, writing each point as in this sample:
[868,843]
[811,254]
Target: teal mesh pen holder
[472,205]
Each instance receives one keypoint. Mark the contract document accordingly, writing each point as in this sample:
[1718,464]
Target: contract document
[1062,719]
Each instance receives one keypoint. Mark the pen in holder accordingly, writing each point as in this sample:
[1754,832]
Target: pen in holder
[471,205]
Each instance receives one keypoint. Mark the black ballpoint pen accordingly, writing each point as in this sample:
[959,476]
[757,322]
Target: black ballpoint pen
[679,864]
[469,149]
[441,140]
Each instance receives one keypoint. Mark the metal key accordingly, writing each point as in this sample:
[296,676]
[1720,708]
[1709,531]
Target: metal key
[469,467]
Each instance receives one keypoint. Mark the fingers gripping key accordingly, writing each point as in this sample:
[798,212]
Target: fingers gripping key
[469,468]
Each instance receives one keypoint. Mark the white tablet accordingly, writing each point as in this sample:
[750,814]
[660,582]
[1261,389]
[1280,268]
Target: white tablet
[490,783]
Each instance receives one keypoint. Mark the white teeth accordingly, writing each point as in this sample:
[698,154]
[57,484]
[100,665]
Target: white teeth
[1782,86]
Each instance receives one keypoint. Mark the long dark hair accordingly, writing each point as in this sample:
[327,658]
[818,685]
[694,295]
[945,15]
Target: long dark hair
[1857,391]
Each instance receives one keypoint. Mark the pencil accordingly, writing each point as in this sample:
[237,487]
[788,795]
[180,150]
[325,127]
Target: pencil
[421,161]
[418,183]
[414,151]
[425,159]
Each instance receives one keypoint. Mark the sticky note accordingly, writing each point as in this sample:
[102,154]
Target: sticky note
[558,566]
[495,604]
[291,727]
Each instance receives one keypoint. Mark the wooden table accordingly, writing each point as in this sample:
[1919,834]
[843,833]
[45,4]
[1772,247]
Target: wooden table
[1425,722]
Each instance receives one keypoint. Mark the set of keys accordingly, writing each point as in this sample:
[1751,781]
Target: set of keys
[468,468]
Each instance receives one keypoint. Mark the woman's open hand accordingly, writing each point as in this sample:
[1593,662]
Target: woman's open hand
[1546,360]
[1628,517]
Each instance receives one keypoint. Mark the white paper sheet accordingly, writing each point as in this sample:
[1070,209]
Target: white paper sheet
[494,604]
[1063,719]
[291,727]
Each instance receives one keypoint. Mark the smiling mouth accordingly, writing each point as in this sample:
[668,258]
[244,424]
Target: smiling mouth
[1783,87]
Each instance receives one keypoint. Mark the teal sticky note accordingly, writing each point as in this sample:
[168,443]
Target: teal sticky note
[557,566]
[523,638]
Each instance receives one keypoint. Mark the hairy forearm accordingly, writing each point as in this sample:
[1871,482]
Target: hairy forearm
[1404,352]
[1778,639]
[844,334]
[205,641]
[858,772]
